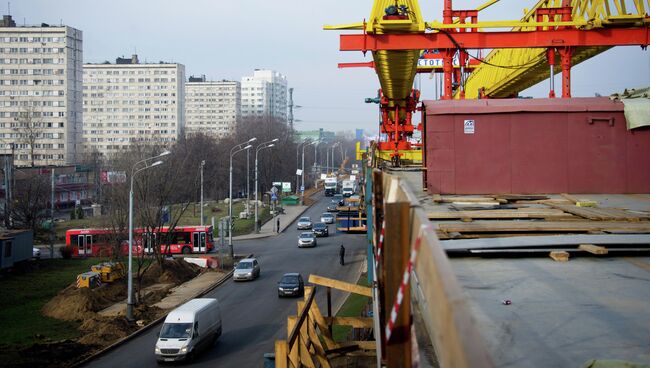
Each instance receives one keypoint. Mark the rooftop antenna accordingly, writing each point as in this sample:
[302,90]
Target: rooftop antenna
[8,7]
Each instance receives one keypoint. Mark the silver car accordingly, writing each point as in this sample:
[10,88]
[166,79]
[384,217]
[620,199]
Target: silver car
[307,239]
[246,269]
[327,218]
[304,223]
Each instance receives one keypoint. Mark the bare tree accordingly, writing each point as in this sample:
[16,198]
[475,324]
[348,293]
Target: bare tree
[31,196]
[28,129]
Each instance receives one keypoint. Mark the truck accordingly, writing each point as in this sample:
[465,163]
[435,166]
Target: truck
[193,326]
[330,186]
[348,188]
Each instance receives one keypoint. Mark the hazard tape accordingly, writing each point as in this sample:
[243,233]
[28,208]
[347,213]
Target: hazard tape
[399,298]
[381,243]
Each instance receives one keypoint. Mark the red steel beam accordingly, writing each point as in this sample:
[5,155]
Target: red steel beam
[497,40]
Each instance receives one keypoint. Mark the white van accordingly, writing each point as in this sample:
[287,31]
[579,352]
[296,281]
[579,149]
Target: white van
[188,329]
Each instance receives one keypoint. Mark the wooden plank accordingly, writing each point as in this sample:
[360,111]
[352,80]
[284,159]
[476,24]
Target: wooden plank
[593,249]
[397,244]
[520,197]
[541,213]
[356,322]
[437,198]
[315,314]
[569,198]
[341,285]
[559,256]
[281,354]
[293,351]
[321,357]
[451,199]
[544,226]
[600,213]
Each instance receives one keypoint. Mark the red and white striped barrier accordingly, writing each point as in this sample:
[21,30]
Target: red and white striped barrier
[380,245]
[399,298]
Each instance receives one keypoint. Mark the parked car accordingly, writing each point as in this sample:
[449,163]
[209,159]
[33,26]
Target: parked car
[246,269]
[327,218]
[304,223]
[306,239]
[36,253]
[320,229]
[291,284]
[188,328]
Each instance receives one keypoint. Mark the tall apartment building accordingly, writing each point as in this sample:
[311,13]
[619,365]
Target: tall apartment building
[212,108]
[40,93]
[130,102]
[264,94]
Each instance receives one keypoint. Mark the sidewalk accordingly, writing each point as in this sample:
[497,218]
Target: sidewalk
[268,229]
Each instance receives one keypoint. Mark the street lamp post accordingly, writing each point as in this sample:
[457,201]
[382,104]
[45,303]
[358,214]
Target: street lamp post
[238,148]
[134,171]
[302,187]
[202,164]
[297,162]
[334,146]
[262,146]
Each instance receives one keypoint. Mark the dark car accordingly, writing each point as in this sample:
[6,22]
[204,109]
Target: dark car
[320,229]
[291,284]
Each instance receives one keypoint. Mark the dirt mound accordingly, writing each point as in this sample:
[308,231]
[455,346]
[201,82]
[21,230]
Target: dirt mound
[175,271]
[74,304]
[104,331]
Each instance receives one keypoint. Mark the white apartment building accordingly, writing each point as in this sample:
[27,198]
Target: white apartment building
[213,108]
[264,94]
[130,102]
[40,93]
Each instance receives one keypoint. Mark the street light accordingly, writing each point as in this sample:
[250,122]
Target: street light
[334,146]
[297,162]
[238,148]
[134,171]
[202,164]
[262,146]
[302,187]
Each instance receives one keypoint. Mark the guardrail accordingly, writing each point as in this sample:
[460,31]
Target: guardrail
[409,248]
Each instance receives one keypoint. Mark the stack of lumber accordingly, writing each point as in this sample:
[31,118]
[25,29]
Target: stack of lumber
[508,216]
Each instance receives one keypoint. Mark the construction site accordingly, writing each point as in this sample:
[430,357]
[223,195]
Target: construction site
[501,231]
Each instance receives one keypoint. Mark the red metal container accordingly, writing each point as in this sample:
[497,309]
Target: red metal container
[528,146]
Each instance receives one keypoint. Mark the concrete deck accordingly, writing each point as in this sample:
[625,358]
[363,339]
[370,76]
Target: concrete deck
[562,313]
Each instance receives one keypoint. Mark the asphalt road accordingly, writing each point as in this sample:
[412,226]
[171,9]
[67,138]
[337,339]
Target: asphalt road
[253,315]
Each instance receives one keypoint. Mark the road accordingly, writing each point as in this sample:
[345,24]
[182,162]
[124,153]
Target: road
[253,315]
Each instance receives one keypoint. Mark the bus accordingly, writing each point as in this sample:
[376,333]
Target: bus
[99,242]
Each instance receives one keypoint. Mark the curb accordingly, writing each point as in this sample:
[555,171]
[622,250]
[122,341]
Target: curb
[147,327]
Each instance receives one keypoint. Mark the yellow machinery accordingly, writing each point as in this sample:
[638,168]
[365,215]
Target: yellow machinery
[89,280]
[109,271]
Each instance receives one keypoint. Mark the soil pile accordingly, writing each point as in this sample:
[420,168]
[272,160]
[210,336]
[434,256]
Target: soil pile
[175,271]
[74,304]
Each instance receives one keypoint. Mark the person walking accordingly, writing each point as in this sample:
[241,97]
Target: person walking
[342,255]
[278,225]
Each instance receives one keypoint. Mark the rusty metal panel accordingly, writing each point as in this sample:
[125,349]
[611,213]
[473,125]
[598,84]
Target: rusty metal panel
[576,145]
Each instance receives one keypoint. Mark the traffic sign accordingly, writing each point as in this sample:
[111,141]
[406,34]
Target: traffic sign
[274,197]
[302,188]
[274,190]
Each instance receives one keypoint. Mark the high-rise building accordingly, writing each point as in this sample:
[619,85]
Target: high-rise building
[212,108]
[264,95]
[130,102]
[40,93]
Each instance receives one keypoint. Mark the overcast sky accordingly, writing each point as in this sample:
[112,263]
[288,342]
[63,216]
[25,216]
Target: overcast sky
[228,39]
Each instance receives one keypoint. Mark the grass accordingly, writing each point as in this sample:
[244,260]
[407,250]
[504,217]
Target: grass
[23,295]
[352,307]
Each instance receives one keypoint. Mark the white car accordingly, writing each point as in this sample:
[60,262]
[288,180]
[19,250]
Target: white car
[327,218]
[304,223]
[36,253]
